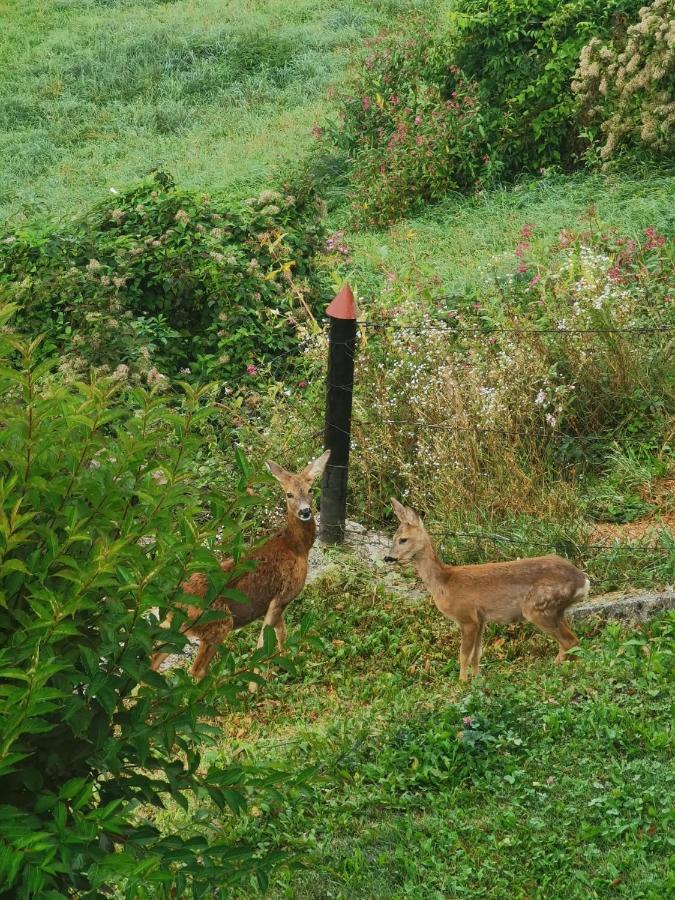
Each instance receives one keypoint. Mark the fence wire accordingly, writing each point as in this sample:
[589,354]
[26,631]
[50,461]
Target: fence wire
[305,425]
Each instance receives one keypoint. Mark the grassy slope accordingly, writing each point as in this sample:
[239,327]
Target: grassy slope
[220,92]
[454,247]
[560,786]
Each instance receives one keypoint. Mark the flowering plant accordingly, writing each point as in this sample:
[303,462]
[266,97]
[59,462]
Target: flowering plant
[411,126]
[627,87]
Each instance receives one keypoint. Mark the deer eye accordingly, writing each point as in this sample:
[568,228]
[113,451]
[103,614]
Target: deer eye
[402,540]
[290,496]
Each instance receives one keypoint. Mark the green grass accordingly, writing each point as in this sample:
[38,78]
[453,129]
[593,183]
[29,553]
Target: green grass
[459,245]
[95,93]
[560,786]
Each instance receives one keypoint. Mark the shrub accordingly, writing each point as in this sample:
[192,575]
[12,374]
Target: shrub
[99,523]
[523,54]
[160,277]
[411,126]
[629,89]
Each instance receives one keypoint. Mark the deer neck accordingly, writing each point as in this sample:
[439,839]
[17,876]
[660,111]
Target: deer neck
[300,535]
[429,567]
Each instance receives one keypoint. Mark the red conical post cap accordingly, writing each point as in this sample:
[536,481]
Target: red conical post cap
[343,304]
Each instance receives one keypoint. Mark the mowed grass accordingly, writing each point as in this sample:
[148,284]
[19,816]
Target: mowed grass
[95,93]
[533,781]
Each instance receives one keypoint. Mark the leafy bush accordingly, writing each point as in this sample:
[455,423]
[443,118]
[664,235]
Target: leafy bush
[524,53]
[411,125]
[628,89]
[99,523]
[160,277]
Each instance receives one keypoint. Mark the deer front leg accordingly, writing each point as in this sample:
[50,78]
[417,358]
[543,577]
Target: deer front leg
[469,634]
[477,648]
[274,618]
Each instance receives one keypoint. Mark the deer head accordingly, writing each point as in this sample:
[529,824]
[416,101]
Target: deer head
[297,486]
[411,537]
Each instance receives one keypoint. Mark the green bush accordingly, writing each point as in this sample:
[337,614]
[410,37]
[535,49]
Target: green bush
[161,277]
[411,126]
[100,522]
[628,91]
[524,53]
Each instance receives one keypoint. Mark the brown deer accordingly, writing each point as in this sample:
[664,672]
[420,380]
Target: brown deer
[538,590]
[278,577]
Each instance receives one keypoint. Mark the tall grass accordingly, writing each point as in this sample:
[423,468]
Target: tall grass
[221,92]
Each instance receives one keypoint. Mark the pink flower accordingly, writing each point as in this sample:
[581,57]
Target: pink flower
[365,103]
[527,231]
[251,369]
[521,267]
[469,721]
[418,120]
[535,280]
[302,384]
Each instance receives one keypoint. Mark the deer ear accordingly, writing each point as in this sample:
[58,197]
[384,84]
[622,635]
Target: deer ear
[276,470]
[315,468]
[399,510]
[412,518]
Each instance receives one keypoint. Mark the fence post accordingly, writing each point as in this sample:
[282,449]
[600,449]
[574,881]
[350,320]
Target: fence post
[339,388]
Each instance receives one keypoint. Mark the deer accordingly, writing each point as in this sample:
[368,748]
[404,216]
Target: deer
[537,590]
[278,576]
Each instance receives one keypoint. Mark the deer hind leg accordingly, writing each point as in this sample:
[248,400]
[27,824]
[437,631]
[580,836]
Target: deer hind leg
[203,659]
[470,633]
[545,607]
[274,618]
[477,648]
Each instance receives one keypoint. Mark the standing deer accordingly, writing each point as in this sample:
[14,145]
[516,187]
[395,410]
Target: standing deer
[278,577]
[538,590]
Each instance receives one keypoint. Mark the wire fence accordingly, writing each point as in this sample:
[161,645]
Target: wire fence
[312,426]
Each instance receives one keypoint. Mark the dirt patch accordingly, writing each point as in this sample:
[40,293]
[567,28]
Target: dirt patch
[645,531]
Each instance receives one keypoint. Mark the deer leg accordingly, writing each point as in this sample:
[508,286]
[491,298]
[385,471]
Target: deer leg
[566,640]
[469,633]
[560,631]
[273,619]
[477,648]
[203,659]
[280,631]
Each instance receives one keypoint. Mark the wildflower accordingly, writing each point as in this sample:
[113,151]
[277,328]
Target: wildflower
[117,215]
[94,464]
[365,103]
[535,280]
[551,420]
[121,373]
[182,216]
[418,120]
[469,721]
[93,265]
[540,398]
[317,132]
[251,369]
[114,190]
[154,376]
[159,476]
[527,231]
[521,267]
[302,384]
[186,371]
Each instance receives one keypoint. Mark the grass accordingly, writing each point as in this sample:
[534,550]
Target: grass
[534,781]
[459,245]
[220,92]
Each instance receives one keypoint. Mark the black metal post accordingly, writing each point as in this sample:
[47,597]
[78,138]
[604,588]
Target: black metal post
[339,388]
